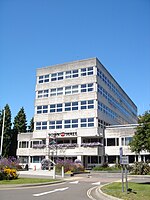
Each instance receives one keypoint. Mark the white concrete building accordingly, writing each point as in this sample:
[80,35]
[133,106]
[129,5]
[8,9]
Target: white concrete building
[117,136]
[74,102]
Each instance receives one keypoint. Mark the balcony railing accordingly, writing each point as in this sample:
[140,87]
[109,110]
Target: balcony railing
[67,145]
[39,146]
[92,144]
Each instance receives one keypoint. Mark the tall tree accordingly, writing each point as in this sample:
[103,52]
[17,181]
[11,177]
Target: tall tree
[141,139]
[20,122]
[20,126]
[31,126]
[7,130]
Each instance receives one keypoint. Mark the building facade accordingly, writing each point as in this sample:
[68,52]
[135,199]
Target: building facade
[74,102]
[119,136]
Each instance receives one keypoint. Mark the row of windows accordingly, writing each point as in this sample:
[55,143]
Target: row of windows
[106,110]
[89,87]
[68,106]
[112,101]
[25,144]
[115,91]
[65,75]
[102,123]
[115,141]
[70,123]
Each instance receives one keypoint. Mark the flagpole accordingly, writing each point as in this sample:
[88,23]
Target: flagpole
[2,133]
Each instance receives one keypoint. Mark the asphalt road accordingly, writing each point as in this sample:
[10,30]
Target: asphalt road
[80,187]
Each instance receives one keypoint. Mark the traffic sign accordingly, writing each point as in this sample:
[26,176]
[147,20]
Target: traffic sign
[124,160]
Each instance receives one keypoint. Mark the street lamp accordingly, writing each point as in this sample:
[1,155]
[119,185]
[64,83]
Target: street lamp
[2,134]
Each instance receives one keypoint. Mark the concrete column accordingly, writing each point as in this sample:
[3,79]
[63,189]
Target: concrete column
[139,158]
[80,158]
[117,159]
[47,156]
[79,141]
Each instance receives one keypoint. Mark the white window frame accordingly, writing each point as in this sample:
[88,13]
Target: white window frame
[87,122]
[42,109]
[41,125]
[43,79]
[86,104]
[56,107]
[42,93]
[87,71]
[55,124]
[88,87]
[71,123]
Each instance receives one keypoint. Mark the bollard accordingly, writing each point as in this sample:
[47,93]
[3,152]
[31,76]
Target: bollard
[54,172]
[62,169]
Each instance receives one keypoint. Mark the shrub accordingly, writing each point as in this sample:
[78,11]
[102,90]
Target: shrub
[11,163]
[105,167]
[8,168]
[69,165]
[10,174]
[140,168]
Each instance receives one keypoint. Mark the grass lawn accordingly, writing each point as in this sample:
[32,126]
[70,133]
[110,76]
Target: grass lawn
[140,191]
[26,181]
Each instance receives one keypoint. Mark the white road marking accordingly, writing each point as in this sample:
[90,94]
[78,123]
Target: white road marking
[74,182]
[52,191]
[96,183]
[90,191]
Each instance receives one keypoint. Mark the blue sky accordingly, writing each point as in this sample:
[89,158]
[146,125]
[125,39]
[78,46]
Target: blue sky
[38,33]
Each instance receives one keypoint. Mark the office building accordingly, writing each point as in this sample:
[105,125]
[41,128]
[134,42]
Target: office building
[74,102]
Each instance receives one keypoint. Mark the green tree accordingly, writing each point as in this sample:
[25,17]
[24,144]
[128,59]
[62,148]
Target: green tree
[20,126]
[31,126]
[7,135]
[141,139]
[20,122]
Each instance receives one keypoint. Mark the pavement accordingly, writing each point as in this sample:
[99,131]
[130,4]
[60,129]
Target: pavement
[39,173]
[49,174]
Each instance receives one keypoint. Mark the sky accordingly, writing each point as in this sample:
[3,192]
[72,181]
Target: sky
[39,33]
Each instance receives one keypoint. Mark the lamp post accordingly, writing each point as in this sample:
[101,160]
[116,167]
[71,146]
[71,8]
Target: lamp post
[2,134]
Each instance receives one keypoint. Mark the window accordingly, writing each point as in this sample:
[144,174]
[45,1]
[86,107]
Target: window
[42,109]
[68,90]
[87,71]
[54,77]
[110,141]
[106,110]
[71,89]
[41,125]
[55,124]
[117,93]
[56,107]
[128,140]
[87,122]
[71,123]
[43,79]
[57,76]
[68,74]
[74,89]
[101,123]
[71,74]
[87,87]
[56,91]
[23,144]
[87,104]
[71,106]
[36,159]
[43,93]
[125,141]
